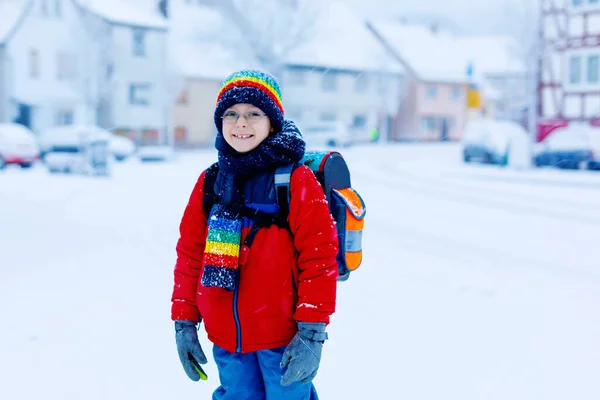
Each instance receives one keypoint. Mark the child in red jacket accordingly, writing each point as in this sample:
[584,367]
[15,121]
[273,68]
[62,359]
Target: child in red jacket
[264,287]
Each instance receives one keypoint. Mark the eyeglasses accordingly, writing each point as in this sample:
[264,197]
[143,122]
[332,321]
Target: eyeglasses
[252,117]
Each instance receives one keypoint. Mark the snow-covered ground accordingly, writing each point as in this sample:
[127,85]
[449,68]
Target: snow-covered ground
[477,283]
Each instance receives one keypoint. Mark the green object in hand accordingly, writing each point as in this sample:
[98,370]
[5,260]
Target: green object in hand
[198,368]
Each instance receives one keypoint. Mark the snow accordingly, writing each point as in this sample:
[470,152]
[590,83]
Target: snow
[126,12]
[341,39]
[444,56]
[477,283]
[10,11]
[16,133]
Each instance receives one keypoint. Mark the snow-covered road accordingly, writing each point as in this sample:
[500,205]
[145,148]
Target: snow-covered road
[477,283]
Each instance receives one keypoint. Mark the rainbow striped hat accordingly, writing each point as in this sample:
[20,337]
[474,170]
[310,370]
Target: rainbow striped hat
[253,87]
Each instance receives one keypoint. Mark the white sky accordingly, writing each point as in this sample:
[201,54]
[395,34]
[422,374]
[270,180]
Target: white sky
[487,16]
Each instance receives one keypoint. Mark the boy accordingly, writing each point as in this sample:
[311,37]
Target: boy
[264,287]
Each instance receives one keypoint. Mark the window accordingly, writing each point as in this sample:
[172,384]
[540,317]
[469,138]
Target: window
[57,8]
[456,94]
[180,136]
[329,81]
[328,117]
[139,94]
[576,2]
[592,69]
[66,66]
[139,43]
[361,83]
[575,69]
[34,64]
[64,117]
[184,97]
[359,121]
[594,1]
[431,92]
[428,124]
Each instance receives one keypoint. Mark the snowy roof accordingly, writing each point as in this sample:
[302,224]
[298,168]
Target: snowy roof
[10,13]
[341,39]
[126,12]
[196,47]
[444,56]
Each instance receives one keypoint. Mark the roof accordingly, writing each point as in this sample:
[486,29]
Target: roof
[444,56]
[341,40]
[126,12]
[196,49]
[11,12]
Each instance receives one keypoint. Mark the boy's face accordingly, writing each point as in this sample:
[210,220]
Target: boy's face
[245,132]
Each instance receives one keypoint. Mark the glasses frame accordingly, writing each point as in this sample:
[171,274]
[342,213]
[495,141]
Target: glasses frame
[249,119]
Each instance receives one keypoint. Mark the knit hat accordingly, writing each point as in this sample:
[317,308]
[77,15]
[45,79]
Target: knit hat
[253,87]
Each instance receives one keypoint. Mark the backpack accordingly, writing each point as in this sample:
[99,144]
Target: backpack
[345,204]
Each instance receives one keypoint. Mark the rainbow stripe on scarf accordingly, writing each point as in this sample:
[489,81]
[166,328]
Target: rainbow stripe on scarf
[222,251]
[257,80]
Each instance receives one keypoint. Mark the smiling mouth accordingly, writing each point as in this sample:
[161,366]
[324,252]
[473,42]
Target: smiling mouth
[242,136]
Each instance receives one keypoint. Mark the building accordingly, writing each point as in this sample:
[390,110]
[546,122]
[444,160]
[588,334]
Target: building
[126,48]
[12,12]
[342,73]
[41,65]
[451,79]
[198,64]
[569,64]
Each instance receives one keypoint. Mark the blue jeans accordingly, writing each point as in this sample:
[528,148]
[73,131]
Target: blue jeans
[256,376]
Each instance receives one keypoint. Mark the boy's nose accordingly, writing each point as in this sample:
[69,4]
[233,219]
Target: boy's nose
[241,121]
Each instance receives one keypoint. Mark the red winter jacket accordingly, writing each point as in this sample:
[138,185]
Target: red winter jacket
[284,279]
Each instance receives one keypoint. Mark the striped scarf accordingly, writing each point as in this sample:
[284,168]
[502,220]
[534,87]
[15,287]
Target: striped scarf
[222,250]
[221,254]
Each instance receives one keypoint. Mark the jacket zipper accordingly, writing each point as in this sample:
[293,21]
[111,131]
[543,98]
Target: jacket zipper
[236,317]
[294,285]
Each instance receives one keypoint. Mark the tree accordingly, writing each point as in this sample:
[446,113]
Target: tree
[524,28]
[269,29]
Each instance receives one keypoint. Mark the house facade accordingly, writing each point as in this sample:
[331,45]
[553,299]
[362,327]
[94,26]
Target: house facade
[43,75]
[193,111]
[198,64]
[432,111]
[361,100]
[130,84]
[448,79]
[343,74]
[569,66]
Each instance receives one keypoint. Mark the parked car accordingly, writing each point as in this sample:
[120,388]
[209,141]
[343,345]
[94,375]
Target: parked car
[155,153]
[576,146]
[78,149]
[120,147]
[327,135]
[18,145]
[492,141]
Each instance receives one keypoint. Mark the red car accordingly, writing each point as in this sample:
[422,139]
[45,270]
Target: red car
[18,145]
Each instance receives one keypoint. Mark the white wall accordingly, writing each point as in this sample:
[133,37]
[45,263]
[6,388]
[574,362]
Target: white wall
[307,102]
[48,34]
[148,69]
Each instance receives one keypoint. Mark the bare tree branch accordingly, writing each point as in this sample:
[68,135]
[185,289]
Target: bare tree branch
[270,28]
